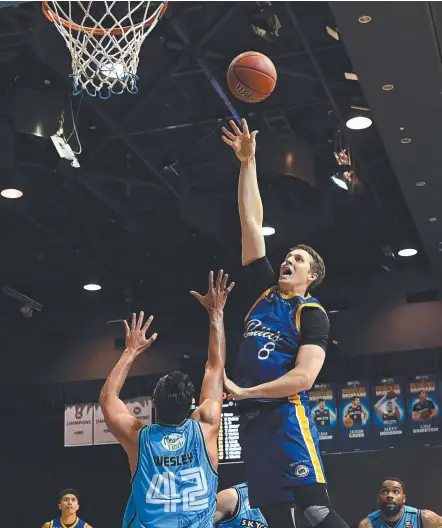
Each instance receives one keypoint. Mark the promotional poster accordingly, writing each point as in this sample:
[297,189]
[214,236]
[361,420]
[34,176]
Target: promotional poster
[389,412]
[323,410]
[424,409]
[355,416]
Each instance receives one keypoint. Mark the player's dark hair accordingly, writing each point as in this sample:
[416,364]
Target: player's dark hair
[68,491]
[422,392]
[173,397]
[317,265]
[321,400]
[394,479]
[355,397]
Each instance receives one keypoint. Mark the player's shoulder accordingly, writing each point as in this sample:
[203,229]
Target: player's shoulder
[47,524]
[369,521]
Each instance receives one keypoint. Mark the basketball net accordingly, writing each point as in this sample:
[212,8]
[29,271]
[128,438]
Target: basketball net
[104,41]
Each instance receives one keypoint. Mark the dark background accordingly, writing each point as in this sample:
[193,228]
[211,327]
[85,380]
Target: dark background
[153,208]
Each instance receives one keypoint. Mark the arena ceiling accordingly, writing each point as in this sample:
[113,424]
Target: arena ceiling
[153,206]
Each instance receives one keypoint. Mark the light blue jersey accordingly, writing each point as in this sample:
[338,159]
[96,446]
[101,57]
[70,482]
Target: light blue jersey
[174,484]
[243,514]
[411,518]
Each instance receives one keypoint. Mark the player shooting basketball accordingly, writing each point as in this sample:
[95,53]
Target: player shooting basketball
[174,461]
[283,350]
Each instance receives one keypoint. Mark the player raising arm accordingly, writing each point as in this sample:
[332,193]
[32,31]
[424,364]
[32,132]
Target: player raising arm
[174,461]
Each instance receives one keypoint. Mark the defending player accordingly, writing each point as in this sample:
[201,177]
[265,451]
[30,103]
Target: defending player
[394,512]
[174,461]
[69,505]
[283,350]
[233,509]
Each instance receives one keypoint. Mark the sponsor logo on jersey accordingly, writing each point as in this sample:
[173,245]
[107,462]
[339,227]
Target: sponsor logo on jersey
[302,471]
[252,524]
[173,442]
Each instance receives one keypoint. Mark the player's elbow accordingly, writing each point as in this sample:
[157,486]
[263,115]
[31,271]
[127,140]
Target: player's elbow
[306,381]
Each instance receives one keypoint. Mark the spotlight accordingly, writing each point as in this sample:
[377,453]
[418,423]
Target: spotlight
[344,180]
[358,122]
[268,231]
[11,194]
[92,287]
[407,252]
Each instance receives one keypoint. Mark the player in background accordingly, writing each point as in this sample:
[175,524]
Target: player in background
[424,409]
[282,353]
[322,415]
[387,409]
[393,512]
[69,505]
[356,412]
[233,509]
[174,461]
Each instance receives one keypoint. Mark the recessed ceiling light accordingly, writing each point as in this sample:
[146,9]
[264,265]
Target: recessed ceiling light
[267,231]
[405,140]
[92,287]
[407,252]
[401,128]
[388,87]
[432,219]
[421,183]
[11,194]
[47,81]
[359,123]
[364,19]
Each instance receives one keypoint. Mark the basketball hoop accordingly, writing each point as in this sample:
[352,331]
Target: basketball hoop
[104,39]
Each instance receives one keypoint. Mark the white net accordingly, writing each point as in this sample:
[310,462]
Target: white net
[104,39]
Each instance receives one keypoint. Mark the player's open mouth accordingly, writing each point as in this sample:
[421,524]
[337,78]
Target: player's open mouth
[286,271]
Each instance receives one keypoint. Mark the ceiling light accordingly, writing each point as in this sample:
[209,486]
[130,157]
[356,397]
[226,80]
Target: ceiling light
[359,122]
[267,231]
[432,219]
[92,287]
[364,19]
[388,87]
[405,141]
[407,252]
[421,183]
[11,194]
[339,181]
[351,76]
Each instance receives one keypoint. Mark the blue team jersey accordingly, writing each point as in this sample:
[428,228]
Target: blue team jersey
[174,484]
[56,523]
[243,514]
[411,518]
[272,335]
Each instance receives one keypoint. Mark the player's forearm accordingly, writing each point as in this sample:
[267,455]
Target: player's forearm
[118,375]
[217,340]
[249,199]
[295,381]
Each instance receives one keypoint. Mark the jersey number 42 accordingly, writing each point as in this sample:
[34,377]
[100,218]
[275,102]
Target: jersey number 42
[163,490]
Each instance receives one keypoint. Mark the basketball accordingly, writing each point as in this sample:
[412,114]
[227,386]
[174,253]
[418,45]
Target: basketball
[251,77]
[348,422]
[391,395]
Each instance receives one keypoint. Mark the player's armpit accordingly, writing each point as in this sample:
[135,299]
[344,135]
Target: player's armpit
[430,519]
[119,421]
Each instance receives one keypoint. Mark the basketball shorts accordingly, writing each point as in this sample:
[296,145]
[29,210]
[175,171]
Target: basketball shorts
[280,447]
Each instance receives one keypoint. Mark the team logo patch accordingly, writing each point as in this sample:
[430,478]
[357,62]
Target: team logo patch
[173,442]
[302,471]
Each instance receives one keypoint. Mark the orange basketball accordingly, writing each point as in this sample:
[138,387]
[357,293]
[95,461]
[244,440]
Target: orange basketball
[251,77]
[348,422]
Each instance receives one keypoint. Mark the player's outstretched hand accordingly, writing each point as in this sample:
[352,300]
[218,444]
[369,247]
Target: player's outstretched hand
[234,392]
[216,296]
[136,340]
[243,143]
